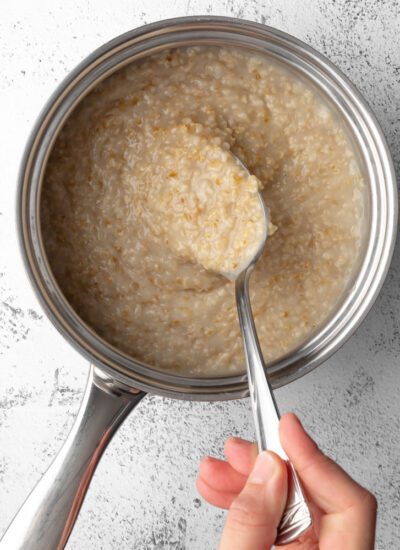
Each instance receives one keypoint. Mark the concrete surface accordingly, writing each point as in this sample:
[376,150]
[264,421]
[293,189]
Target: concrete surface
[143,494]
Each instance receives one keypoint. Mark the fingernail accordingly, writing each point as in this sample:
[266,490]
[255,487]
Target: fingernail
[239,441]
[264,468]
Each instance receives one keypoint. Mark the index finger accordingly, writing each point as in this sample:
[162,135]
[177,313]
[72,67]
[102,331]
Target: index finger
[330,487]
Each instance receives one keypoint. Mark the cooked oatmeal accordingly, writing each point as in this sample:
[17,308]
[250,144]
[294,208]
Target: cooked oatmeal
[206,205]
[142,194]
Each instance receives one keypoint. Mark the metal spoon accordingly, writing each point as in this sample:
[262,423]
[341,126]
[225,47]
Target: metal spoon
[296,517]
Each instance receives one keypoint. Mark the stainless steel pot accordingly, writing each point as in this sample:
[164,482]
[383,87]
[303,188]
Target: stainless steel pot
[117,382]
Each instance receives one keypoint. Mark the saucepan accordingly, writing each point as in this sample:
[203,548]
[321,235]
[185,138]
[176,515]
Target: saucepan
[117,382]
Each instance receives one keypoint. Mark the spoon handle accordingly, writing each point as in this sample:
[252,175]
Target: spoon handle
[296,517]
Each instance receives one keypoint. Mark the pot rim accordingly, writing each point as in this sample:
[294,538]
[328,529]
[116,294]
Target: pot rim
[354,110]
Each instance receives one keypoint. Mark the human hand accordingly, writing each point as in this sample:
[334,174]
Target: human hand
[254,489]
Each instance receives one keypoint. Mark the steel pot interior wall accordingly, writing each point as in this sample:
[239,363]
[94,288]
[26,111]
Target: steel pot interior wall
[354,115]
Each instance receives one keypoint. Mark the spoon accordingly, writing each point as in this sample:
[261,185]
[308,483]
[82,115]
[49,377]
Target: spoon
[296,517]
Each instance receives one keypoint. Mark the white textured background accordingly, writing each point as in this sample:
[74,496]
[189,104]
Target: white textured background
[143,494]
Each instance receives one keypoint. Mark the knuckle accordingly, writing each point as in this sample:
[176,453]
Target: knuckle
[368,501]
[365,505]
[318,459]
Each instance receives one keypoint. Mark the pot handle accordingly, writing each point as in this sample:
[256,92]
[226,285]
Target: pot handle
[47,517]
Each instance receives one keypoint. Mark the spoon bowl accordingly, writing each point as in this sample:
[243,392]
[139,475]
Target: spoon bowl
[266,222]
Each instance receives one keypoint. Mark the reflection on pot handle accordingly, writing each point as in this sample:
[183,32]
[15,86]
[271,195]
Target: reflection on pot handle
[47,517]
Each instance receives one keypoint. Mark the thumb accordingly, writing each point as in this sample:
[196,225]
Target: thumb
[255,513]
